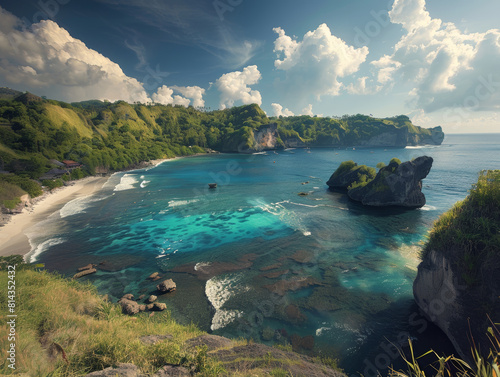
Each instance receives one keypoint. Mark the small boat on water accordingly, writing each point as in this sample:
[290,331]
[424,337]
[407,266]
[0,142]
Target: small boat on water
[212,185]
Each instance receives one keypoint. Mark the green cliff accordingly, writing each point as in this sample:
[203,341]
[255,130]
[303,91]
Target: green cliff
[458,284]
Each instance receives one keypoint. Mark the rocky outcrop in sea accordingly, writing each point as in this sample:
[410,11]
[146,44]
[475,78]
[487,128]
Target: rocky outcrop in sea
[394,185]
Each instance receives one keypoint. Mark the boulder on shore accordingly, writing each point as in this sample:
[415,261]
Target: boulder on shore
[129,307]
[167,286]
[159,306]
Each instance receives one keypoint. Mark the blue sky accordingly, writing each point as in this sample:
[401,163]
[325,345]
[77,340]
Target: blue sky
[436,62]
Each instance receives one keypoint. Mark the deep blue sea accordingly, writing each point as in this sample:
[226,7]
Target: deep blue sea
[254,259]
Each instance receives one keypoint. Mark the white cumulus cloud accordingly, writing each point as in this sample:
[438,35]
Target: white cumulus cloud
[164,95]
[193,92]
[363,86]
[315,64]
[235,86]
[46,59]
[411,14]
[447,67]
[279,111]
[308,110]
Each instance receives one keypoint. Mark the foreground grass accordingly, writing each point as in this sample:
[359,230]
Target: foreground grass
[65,329]
[452,366]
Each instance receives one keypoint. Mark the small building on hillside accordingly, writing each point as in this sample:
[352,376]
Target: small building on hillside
[53,174]
[70,164]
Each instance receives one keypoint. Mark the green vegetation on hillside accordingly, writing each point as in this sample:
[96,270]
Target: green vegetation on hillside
[365,173]
[361,175]
[347,130]
[10,194]
[106,137]
[469,233]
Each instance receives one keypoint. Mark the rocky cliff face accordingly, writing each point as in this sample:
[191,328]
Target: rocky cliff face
[398,137]
[437,293]
[267,137]
[394,185]
[401,137]
[458,281]
[264,138]
[435,138]
[459,309]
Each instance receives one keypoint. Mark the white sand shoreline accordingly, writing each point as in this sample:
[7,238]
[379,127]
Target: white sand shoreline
[13,239]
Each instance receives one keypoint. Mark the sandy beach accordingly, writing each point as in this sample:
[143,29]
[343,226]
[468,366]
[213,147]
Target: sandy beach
[12,236]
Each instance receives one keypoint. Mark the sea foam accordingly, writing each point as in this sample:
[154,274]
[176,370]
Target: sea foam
[44,246]
[177,203]
[218,291]
[428,208]
[127,182]
[79,205]
[291,218]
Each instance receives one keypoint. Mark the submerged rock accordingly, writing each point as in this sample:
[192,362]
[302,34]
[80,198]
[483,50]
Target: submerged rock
[87,267]
[118,262]
[294,314]
[84,272]
[275,274]
[271,267]
[153,275]
[283,286]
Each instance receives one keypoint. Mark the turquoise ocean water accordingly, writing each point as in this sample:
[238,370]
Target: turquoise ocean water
[254,259]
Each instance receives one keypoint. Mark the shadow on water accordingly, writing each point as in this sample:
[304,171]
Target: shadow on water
[394,326]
